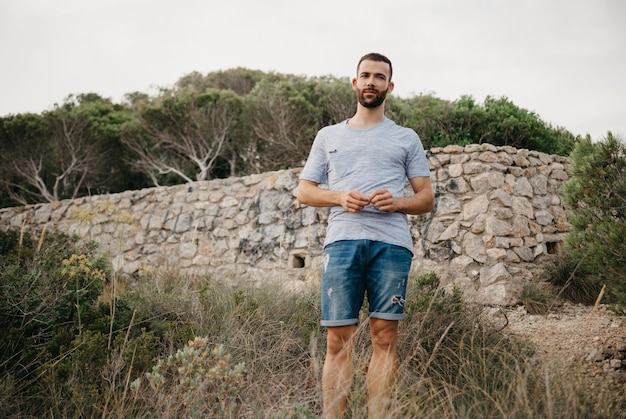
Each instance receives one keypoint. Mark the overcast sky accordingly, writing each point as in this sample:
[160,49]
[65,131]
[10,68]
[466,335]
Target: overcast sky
[562,59]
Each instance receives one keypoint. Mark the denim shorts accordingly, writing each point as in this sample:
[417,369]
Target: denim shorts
[355,268]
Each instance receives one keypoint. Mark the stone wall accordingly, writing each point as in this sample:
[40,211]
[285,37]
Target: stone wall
[498,216]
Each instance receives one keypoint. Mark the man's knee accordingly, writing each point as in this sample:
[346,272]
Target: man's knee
[339,339]
[384,334]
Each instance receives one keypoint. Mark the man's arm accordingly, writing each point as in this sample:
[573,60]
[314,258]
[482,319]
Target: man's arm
[309,193]
[421,202]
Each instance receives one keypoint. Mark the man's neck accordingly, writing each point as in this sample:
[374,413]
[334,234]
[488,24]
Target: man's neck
[366,117]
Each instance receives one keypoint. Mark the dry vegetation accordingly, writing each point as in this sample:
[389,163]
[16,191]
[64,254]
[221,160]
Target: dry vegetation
[163,345]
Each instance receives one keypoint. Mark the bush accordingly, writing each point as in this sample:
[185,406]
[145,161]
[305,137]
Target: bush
[465,121]
[573,280]
[58,337]
[197,381]
[42,302]
[596,195]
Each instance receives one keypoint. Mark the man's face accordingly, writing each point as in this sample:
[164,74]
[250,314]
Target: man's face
[372,83]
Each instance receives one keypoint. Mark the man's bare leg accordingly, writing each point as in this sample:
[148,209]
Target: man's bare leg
[383,366]
[337,372]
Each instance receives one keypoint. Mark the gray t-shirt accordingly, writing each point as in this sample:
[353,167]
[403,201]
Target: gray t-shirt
[383,156]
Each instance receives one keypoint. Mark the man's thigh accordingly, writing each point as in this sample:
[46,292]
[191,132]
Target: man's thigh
[343,285]
[387,276]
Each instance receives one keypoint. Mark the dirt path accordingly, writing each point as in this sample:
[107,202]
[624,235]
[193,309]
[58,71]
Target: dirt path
[579,336]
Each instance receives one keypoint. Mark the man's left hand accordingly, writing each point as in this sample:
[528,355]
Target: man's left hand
[382,200]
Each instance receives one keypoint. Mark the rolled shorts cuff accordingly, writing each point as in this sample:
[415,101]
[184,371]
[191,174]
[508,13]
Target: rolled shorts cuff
[387,316]
[338,323]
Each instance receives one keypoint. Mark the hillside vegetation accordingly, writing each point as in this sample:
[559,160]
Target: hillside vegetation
[77,341]
[228,123]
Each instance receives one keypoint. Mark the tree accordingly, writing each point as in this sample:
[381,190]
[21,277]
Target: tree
[426,114]
[61,153]
[105,121]
[226,123]
[336,99]
[239,80]
[181,134]
[20,135]
[464,121]
[596,194]
[284,118]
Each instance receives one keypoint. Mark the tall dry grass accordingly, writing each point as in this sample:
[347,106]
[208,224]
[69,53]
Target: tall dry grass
[453,364]
[176,346]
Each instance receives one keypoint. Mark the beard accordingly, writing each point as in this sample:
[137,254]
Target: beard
[373,102]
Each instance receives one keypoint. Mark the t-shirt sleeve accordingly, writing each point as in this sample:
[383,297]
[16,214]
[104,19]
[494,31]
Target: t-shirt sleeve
[417,164]
[316,166]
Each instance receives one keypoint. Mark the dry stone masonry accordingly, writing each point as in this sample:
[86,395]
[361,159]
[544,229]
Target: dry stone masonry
[498,216]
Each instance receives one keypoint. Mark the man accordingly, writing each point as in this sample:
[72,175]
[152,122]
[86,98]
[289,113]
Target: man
[365,161]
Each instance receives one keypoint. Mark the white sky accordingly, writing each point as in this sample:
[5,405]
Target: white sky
[562,59]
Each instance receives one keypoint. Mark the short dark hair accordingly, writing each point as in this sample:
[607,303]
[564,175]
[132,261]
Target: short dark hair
[374,56]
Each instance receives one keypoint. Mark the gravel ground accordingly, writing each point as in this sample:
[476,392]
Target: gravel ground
[576,335]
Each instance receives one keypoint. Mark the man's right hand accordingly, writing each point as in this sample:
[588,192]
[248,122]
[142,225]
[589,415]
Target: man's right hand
[354,201]
[309,193]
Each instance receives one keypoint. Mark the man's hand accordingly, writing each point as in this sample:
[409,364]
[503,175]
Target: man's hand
[354,201]
[382,200]
[421,202]
[309,193]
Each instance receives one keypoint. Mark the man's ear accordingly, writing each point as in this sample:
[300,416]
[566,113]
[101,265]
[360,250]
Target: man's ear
[354,83]
[391,86]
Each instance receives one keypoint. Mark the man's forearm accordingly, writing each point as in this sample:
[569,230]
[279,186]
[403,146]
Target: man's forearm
[312,195]
[419,203]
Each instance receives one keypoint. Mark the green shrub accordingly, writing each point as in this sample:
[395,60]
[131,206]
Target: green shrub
[426,294]
[596,195]
[58,336]
[47,288]
[196,381]
[573,280]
